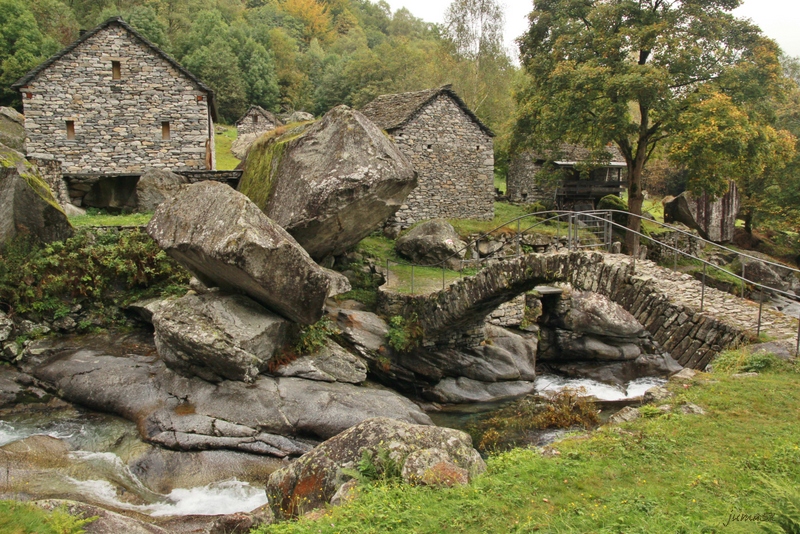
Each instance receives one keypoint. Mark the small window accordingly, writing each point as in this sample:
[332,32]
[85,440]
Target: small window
[165,131]
[255,119]
[116,70]
[478,148]
[429,147]
[70,129]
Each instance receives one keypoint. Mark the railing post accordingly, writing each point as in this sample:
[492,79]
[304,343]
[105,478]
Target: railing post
[744,278]
[569,231]
[442,276]
[519,249]
[760,307]
[387,272]
[797,346]
[412,278]
[703,289]
[675,253]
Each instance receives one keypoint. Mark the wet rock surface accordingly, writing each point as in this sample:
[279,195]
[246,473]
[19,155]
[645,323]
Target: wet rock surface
[272,416]
[313,480]
[328,183]
[226,241]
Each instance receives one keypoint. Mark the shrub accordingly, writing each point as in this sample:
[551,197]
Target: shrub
[99,270]
[404,334]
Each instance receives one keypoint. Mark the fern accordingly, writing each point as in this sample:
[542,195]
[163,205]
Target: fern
[782,500]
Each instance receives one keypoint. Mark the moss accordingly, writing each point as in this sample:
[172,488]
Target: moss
[11,158]
[264,160]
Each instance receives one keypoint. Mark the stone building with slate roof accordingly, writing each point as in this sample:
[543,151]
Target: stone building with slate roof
[112,102]
[257,120]
[573,190]
[451,149]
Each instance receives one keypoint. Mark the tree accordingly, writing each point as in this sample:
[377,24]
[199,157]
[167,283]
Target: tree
[22,46]
[639,72]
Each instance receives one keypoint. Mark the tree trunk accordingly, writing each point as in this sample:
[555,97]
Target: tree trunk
[635,201]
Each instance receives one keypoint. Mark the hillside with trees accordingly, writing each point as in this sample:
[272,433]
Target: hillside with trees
[286,55]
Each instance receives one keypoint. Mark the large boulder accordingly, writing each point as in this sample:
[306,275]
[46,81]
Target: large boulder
[328,183]
[226,241]
[12,129]
[27,205]
[591,313]
[416,451]
[217,336]
[241,145]
[713,219]
[331,363]
[155,186]
[432,243]
[271,416]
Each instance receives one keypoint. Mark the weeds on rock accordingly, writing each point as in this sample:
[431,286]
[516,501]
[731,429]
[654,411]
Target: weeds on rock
[376,466]
[742,361]
[405,333]
[508,427]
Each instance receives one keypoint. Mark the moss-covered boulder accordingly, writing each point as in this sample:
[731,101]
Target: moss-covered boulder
[328,183]
[27,205]
[12,129]
[227,242]
[417,453]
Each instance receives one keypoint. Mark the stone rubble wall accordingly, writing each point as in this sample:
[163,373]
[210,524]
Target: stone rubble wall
[51,172]
[454,160]
[117,122]
[247,126]
[521,183]
[509,313]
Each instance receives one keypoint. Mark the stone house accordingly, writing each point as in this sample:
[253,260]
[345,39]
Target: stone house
[580,184]
[113,103]
[451,149]
[257,120]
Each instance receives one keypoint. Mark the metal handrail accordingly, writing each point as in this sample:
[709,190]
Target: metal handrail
[606,217]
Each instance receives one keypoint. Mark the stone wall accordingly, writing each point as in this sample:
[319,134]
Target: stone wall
[454,160]
[117,123]
[51,172]
[254,123]
[521,184]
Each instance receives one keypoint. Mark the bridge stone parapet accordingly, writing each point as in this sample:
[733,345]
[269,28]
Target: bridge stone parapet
[666,303]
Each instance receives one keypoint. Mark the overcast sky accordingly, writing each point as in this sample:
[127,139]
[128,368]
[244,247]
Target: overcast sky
[779,19]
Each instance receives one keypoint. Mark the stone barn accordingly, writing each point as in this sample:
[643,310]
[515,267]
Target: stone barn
[577,182]
[113,103]
[451,149]
[257,120]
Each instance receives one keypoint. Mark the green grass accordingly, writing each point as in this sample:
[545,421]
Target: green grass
[503,212]
[670,473]
[24,518]
[500,183]
[100,218]
[226,161]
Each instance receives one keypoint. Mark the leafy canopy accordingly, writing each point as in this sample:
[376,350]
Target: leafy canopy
[641,73]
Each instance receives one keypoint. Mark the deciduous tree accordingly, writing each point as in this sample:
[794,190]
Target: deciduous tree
[638,73]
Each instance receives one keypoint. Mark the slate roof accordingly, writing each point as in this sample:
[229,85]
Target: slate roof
[263,112]
[577,153]
[390,112]
[118,21]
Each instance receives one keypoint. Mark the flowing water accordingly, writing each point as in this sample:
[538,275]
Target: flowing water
[85,456]
[608,398]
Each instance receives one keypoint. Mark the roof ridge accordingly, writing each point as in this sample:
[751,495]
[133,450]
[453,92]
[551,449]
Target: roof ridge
[33,73]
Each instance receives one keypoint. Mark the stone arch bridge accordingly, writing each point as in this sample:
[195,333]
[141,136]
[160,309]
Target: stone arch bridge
[667,303]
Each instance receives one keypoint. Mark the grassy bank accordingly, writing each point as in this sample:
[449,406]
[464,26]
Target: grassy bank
[226,161]
[24,518]
[663,473]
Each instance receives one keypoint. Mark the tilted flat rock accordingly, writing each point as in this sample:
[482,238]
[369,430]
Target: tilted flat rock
[312,480]
[226,241]
[329,183]
[591,313]
[330,364]
[27,205]
[218,336]
[155,186]
[463,390]
[276,417]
